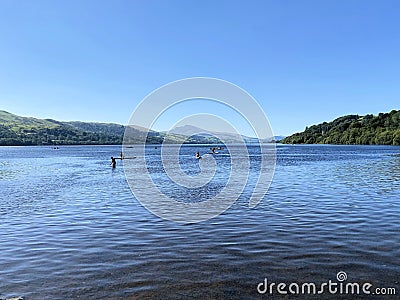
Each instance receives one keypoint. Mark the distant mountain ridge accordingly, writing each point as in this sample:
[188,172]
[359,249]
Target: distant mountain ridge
[17,130]
[190,130]
[383,129]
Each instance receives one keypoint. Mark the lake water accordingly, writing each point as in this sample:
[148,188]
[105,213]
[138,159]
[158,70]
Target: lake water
[70,227]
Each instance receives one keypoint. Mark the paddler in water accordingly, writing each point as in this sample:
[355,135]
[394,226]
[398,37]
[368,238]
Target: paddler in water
[113,162]
[198,155]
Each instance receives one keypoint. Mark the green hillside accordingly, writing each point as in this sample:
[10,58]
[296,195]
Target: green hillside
[383,129]
[16,130]
[19,131]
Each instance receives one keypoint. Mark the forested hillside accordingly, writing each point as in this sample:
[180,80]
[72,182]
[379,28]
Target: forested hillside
[16,130]
[383,129]
[20,131]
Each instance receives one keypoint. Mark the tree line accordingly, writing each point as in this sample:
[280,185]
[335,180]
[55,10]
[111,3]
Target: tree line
[383,129]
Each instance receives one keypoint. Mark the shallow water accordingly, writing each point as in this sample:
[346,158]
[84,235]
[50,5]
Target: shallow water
[71,228]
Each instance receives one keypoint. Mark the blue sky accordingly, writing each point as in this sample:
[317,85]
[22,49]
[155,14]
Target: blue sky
[305,62]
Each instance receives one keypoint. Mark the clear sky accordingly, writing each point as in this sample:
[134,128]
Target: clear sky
[305,62]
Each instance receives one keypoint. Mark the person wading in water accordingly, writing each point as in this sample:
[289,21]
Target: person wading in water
[113,162]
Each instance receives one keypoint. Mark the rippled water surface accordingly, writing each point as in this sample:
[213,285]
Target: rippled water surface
[70,227]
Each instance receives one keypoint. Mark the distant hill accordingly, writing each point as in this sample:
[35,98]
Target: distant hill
[211,136]
[383,129]
[278,138]
[17,130]
[105,128]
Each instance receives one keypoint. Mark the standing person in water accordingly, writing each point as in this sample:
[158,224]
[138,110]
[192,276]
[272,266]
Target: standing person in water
[113,162]
[122,155]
